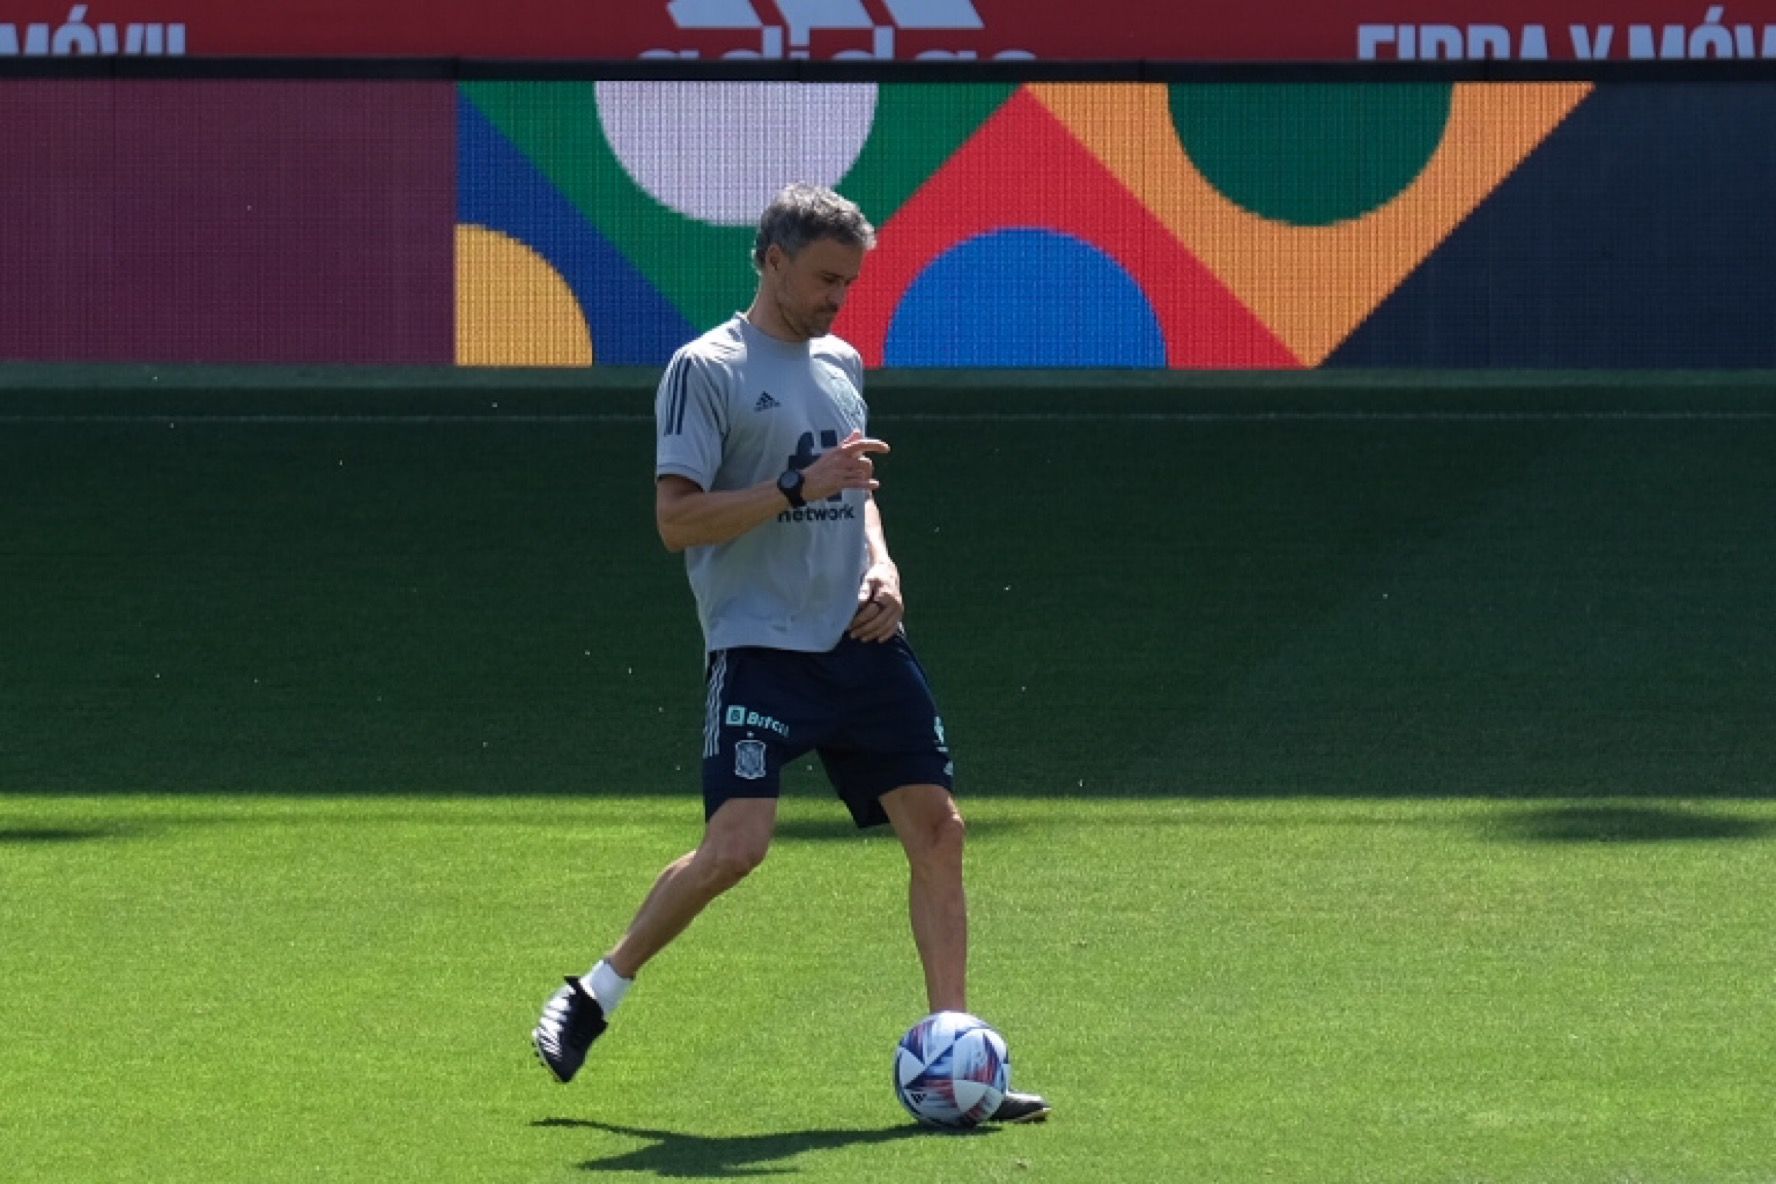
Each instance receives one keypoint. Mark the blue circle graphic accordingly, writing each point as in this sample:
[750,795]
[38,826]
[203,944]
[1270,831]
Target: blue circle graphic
[1025,298]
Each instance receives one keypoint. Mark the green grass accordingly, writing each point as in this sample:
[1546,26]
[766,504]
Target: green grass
[1363,798]
[339,989]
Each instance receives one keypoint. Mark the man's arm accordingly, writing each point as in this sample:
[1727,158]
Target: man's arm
[687,515]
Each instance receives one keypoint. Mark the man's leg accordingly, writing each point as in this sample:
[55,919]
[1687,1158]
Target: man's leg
[930,828]
[931,831]
[734,843]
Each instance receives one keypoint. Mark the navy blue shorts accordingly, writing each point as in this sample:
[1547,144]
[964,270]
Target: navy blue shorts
[865,707]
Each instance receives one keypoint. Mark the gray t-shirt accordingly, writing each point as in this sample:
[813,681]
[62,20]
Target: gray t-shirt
[737,407]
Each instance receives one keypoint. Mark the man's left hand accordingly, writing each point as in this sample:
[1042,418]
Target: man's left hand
[879,607]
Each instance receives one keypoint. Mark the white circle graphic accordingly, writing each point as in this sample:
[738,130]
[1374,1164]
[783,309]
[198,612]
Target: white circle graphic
[719,151]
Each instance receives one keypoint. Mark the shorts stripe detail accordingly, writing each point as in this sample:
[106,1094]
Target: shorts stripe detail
[718,677]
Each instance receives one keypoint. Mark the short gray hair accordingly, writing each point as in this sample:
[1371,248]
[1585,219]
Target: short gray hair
[802,213]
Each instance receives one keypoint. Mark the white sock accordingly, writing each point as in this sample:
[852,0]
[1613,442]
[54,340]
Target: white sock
[606,986]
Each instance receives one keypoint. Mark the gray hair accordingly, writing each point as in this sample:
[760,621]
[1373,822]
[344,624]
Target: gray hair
[802,213]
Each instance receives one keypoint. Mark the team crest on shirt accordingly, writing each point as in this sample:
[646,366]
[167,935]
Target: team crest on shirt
[749,759]
[834,382]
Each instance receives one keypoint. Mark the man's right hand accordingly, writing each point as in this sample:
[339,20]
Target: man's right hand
[847,466]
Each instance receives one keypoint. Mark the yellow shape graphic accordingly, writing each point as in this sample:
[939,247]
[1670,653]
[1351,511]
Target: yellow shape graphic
[1312,285]
[512,308]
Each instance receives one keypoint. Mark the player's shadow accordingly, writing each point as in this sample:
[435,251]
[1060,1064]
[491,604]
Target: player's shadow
[1617,823]
[49,835]
[842,829]
[673,1155]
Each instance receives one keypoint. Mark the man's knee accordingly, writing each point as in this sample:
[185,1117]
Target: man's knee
[949,833]
[935,835]
[726,862]
[736,842]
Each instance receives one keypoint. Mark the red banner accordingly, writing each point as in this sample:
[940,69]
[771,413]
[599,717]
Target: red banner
[905,30]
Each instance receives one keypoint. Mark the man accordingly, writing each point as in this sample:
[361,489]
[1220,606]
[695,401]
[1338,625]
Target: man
[763,478]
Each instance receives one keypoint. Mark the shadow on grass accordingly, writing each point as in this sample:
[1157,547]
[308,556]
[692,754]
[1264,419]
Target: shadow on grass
[1627,824]
[45,835]
[840,827]
[677,1156]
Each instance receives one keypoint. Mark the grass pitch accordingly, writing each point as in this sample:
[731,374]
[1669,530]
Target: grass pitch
[1368,784]
[266,988]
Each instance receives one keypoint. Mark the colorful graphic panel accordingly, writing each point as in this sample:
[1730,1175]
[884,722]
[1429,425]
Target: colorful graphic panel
[1200,226]
[1113,225]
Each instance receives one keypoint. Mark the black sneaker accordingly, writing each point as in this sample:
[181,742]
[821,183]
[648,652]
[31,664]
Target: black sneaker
[1022,1108]
[572,1020]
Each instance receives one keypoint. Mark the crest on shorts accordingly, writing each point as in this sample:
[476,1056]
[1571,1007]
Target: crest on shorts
[749,759]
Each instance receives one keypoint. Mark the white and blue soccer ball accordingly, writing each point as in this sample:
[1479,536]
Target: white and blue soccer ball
[951,1070]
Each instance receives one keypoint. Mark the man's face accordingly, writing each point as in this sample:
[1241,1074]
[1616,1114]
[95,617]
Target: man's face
[809,287]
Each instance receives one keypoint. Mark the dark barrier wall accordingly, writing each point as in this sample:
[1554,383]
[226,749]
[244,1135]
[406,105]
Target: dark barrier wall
[1269,225]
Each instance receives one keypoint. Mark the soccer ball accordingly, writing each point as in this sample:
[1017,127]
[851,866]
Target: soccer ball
[951,1070]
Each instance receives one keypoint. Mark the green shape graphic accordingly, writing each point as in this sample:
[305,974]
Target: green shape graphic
[1311,154]
[701,268]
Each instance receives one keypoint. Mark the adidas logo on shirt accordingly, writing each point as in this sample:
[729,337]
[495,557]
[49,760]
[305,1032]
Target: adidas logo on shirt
[765,402]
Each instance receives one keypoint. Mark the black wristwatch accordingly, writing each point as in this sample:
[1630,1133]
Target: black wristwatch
[789,484]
